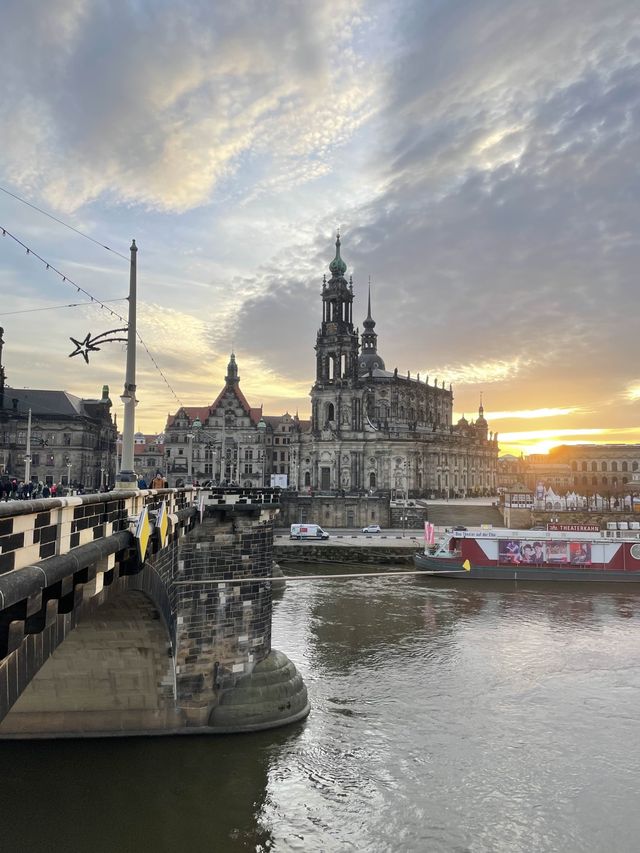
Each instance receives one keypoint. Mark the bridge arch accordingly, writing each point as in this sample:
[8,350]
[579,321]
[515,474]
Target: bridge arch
[114,672]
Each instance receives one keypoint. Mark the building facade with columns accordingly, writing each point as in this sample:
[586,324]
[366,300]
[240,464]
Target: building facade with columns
[375,429]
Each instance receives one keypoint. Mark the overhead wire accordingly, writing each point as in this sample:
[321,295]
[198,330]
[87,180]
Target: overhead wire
[99,303]
[62,222]
[53,307]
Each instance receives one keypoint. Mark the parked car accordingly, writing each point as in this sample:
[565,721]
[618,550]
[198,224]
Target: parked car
[372,528]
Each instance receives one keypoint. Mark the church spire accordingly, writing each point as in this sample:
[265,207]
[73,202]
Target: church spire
[232,377]
[369,358]
[337,267]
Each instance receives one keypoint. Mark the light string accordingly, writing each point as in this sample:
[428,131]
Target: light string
[61,222]
[98,303]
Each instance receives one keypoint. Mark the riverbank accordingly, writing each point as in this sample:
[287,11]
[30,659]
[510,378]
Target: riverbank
[347,550]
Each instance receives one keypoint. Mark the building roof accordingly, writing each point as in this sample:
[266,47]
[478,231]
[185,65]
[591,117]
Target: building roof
[45,403]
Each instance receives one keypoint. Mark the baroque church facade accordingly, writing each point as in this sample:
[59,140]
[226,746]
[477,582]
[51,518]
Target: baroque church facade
[374,429]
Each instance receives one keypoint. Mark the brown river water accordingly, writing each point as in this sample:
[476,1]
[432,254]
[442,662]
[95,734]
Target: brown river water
[446,716]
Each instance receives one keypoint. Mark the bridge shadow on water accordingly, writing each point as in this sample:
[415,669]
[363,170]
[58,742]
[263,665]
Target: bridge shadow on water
[185,793]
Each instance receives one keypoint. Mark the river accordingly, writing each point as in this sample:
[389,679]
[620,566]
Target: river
[446,716]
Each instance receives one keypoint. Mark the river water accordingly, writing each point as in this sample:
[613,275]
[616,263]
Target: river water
[446,716]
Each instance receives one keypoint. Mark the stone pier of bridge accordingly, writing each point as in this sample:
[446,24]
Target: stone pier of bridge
[128,627]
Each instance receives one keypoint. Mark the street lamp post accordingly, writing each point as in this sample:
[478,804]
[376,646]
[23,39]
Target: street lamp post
[27,456]
[127,477]
[404,510]
[190,459]
[68,464]
[262,430]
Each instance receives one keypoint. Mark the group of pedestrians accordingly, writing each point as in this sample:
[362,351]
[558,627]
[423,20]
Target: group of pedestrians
[17,490]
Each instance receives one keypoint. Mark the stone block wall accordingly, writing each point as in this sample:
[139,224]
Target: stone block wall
[223,608]
[334,511]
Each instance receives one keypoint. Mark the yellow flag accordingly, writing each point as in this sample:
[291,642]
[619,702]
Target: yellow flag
[466,566]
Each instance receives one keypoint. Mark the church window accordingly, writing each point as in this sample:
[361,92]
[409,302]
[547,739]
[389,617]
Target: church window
[604,481]
[401,413]
[307,478]
[634,466]
[330,412]
[594,466]
[625,466]
[614,466]
[584,466]
[604,466]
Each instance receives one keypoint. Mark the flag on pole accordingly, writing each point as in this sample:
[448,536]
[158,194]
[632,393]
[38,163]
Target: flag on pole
[429,533]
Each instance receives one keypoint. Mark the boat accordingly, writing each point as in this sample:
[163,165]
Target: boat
[570,552]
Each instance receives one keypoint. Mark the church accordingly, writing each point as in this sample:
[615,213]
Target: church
[374,429]
[371,429]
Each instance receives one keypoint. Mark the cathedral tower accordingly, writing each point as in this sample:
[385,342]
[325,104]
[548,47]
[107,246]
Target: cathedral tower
[336,348]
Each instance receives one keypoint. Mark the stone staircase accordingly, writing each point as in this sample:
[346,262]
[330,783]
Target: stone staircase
[448,514]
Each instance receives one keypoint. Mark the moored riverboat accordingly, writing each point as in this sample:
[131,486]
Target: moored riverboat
[567,553]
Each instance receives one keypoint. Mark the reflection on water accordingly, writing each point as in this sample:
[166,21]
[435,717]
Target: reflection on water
[446,716]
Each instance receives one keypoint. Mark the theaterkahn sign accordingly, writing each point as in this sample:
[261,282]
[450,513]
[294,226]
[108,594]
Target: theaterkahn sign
[575,528]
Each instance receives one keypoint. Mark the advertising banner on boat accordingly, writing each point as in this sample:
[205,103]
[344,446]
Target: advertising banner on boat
[533,551]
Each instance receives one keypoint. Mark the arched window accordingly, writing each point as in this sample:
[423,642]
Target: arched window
[614,466]
[604,481]
[584,466]
[574,466]
[594,481]
[307,478]
[372,480]
[625,480]
[625,467]
[603,466]
[584,481]
[594,466]
[634,466]
[330,412]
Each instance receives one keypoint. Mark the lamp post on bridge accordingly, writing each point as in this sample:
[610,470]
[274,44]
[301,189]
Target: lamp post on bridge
[262,430]
[126,478]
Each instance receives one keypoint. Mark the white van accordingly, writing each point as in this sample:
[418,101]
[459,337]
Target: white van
[307,531]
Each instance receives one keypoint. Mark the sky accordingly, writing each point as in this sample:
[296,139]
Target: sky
[480,158]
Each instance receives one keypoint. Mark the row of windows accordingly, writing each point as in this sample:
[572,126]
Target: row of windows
[624,466]
[595,481]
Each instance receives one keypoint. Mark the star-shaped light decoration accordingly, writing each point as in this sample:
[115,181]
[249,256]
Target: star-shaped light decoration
[84,347]
[88,345]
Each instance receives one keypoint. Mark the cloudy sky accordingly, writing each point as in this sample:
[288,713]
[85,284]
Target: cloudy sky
[479,156]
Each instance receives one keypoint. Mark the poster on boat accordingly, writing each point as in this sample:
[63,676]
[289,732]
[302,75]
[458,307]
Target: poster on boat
[517,551]
[533,551]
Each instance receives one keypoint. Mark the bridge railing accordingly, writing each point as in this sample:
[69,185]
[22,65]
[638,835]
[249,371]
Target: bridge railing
[33,530]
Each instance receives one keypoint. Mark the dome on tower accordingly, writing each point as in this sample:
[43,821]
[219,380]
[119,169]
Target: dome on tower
[337,265]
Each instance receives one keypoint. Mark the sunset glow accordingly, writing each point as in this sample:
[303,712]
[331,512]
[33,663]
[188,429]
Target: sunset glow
[478,169]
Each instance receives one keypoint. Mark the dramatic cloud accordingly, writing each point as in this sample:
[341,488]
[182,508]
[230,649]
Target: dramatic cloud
[480,158]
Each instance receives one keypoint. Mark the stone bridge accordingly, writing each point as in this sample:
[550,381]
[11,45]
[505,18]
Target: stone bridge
[145,612]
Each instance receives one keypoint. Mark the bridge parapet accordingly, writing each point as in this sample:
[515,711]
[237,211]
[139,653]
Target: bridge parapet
[35,530]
